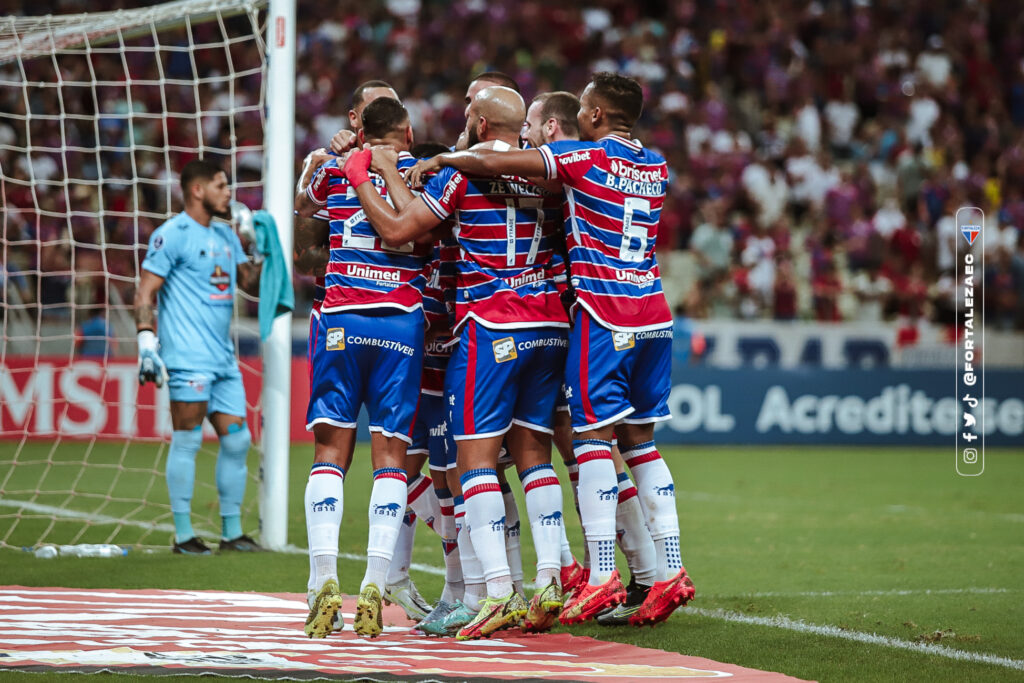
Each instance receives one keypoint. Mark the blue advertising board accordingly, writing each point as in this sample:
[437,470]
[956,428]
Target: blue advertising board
[817,406]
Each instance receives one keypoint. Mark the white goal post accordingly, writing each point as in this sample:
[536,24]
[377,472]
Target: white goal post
[97,113]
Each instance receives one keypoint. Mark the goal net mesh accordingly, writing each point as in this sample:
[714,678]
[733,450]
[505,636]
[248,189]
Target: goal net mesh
[98,112]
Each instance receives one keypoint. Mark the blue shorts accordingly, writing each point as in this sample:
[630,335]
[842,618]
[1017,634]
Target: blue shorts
[562,400]
[431,432]
[222,391]
[617,376]
[500,377]
[367,359]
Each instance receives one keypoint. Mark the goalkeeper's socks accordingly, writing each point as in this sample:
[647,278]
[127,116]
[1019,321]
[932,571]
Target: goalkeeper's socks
[324,501]
[388,499]
[230,527]
[181,477]
[657,495]
[598,495]
[231,477]
[633,535]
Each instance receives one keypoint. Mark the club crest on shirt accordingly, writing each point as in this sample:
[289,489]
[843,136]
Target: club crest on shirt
[220,279]
[336,339]
[623,340]
[504,349]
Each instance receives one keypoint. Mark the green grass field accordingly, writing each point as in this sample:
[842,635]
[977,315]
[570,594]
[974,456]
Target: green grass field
[798,554]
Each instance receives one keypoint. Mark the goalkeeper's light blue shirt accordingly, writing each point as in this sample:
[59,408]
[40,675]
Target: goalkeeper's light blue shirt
[195,305]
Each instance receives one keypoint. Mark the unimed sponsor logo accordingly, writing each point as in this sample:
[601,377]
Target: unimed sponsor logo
[371,273]
[635,277]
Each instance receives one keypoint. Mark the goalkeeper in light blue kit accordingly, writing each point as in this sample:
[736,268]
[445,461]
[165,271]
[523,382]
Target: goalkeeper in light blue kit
[192,265]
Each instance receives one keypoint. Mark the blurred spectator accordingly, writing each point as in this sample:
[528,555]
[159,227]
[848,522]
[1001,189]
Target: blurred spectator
[857,127]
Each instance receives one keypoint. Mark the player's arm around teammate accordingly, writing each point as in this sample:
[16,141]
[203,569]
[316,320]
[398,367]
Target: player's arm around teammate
[192,268]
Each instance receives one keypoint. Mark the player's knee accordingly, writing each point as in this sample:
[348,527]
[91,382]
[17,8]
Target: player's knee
[235,444]
[187,440]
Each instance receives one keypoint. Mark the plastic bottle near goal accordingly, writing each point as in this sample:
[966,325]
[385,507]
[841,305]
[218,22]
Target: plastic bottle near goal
[81,550]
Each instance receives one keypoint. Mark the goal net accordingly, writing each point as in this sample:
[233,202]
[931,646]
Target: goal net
[97,113]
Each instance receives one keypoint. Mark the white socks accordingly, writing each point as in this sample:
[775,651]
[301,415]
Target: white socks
[472,572]
[599,493]
[513,548]
[544,507]
[387,510]
[485,510]
[453,585]
[633,536]
[658,499]
[324,501]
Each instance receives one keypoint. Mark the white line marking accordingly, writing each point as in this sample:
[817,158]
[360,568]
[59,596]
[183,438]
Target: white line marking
[837,594]
[801,626]
[88,516]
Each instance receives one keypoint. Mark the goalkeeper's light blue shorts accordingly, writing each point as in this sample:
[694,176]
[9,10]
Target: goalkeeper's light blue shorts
[222,391]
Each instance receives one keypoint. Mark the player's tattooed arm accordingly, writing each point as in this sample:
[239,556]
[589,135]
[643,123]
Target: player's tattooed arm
[311,246]
[145,301]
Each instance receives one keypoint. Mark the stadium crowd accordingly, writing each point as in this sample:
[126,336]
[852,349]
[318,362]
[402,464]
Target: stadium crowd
[818,150]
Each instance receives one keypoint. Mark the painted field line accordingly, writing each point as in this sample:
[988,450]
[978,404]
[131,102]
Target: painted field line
[85,516]
[800,626]
[854,594]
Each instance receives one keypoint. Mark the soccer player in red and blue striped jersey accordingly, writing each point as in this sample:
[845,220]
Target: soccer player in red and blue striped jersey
[619,361]
[504,375]
[371,329]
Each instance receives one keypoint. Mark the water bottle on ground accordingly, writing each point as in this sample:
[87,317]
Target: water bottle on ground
[81,550]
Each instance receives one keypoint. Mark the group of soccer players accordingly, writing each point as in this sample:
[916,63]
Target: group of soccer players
[482,304]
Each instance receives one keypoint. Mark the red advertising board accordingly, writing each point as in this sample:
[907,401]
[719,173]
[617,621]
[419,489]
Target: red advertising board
[101,398]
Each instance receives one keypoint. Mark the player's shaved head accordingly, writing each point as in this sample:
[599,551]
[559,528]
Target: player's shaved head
[503,108]
[361,96]
[621,98]
[497,78]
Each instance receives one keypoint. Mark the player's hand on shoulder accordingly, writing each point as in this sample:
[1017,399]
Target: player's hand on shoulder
[151,366]
[343,141]
[419,174]
[317,158]
[384,157]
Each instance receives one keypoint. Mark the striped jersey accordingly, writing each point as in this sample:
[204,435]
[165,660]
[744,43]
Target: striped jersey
[507,265]
[614,190]
[439,309]
[363,272]
[318,281]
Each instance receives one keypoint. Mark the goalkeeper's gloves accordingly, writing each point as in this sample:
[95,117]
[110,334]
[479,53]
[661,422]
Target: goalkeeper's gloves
[151,367]
[242,222]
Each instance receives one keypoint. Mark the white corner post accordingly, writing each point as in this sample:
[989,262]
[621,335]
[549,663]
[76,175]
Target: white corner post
[278,181]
